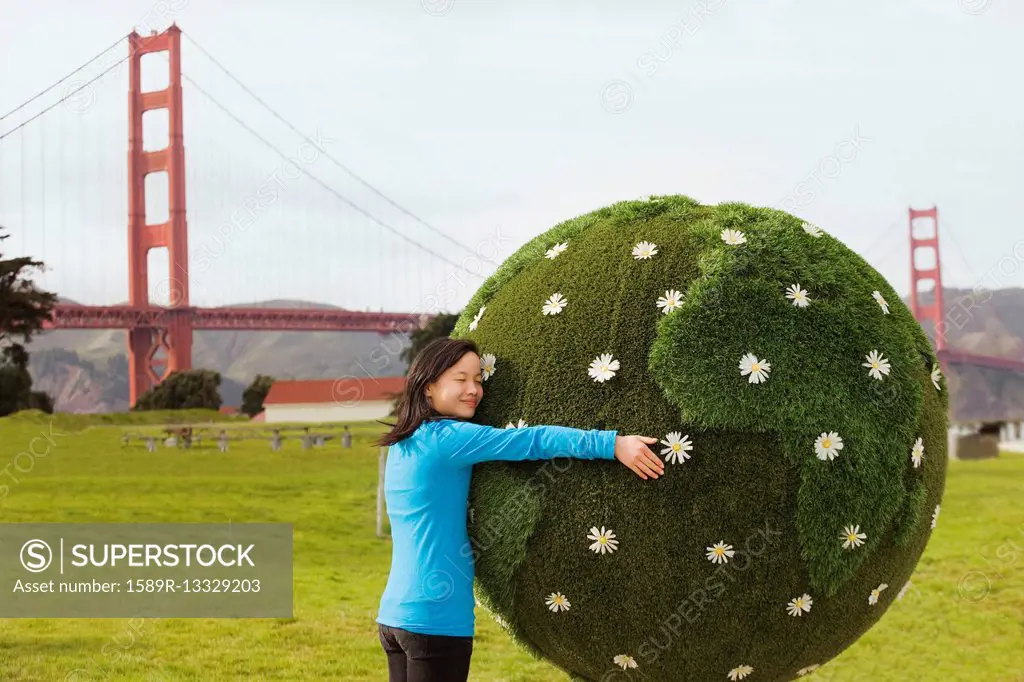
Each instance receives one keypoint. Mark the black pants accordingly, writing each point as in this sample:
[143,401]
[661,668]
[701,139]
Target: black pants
[413,657]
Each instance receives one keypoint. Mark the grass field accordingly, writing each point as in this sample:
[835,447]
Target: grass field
[963,618]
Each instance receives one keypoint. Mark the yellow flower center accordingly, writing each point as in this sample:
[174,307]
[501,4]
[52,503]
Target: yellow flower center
[603,540]
[676,447]
[755,367]
[826,443]
[719,551]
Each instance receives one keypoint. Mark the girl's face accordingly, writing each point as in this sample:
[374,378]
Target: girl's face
[458,391]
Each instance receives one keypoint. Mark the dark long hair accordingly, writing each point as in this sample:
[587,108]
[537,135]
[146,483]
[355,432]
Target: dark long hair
[413,406]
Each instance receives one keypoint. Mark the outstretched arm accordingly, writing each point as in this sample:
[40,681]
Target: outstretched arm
[465,443]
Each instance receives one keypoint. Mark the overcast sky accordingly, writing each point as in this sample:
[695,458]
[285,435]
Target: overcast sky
[492,120]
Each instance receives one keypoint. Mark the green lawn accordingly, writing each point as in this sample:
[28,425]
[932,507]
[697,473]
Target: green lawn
[963,618]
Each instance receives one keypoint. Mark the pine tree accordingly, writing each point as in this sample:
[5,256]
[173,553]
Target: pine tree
[23,311]
[196,388]
[255,394]
[439,327]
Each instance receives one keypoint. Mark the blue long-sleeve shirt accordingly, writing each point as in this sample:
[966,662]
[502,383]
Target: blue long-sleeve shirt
[426,487]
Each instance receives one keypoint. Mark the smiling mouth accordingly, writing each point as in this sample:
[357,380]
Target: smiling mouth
[469,402]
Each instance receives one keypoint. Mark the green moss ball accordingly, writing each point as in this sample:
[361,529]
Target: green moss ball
[801,415]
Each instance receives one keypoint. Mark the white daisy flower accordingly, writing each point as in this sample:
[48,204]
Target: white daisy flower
[624,661]
[757,369]
[520,425]
[917,452]
[556,602]
[936,375]
[873,597]
[476,318]
[798,296]
[487,365]
[877,365]
[812,230]
[799,605]
[827,446]
[720,553]
[604,540]
[678,448]
[553,252]
[808,670]
[903,590]
[852,537]
[877,295]
[554,305]
[603,367]
[670,301]
[739,672]
[935,515]
[644,250]
[733,237]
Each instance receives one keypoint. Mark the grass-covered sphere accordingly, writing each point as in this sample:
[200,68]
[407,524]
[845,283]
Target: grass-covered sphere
[802,419]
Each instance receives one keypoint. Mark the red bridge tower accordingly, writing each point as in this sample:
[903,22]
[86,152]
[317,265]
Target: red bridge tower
[173,341]
[928,247]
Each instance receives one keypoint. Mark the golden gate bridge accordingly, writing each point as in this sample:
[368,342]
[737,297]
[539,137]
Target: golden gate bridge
[160,335]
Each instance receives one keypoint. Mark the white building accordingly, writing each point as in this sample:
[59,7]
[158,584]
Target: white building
[331,400]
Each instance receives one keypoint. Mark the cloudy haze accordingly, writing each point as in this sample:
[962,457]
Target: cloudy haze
[488,117]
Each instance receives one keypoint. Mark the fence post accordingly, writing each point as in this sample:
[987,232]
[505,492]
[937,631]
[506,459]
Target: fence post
[381,462]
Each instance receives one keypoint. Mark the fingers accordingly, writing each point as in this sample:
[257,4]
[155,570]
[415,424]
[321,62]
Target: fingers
[651,459]
[655,463]
[642,461]
[642,465]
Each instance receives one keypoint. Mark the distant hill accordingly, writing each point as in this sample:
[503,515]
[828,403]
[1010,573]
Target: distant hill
[987,323]
[87,371]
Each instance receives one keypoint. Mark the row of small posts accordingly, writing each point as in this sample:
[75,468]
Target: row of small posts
[186,439]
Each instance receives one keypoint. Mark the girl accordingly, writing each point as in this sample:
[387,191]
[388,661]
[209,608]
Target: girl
[426,620]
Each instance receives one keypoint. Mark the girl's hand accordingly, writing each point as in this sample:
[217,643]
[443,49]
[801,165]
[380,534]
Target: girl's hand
[632,451]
